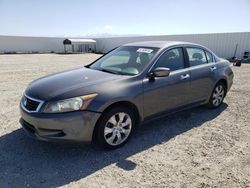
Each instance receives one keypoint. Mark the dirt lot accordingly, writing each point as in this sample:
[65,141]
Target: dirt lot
[195,148]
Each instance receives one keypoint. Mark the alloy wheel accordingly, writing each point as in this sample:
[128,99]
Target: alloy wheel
[218,95]
[117,128]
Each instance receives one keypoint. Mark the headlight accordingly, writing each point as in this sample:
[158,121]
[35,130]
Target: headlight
[68,105]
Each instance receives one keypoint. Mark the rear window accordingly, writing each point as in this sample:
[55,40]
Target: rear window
[196,56]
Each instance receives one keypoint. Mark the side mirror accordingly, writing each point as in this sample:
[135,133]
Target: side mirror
[158,72]
[161,72]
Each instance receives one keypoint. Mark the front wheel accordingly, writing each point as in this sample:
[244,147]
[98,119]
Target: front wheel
[115,127]
[217,96]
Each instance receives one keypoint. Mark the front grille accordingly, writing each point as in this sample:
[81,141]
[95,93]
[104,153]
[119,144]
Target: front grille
[31,104]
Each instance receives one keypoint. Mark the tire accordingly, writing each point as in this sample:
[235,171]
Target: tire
[115,127]
[217,96]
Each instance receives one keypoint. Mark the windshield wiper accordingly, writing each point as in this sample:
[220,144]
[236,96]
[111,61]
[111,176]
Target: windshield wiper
[109,71]
[116,72]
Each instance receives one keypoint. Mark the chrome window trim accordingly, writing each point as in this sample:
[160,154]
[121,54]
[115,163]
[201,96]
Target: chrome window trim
[31,98]
[183,46]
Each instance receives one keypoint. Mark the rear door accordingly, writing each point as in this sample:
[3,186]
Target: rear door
[202,73]
[165,93]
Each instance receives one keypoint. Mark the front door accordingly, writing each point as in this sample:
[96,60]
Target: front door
[165,93]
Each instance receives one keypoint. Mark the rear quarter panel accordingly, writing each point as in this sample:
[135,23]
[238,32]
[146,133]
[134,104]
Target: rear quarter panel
[225,72]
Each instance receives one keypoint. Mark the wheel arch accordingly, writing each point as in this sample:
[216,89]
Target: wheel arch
[224,81]
[123,103]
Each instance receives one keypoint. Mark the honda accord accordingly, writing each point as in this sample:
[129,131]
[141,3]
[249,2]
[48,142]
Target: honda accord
[131,84]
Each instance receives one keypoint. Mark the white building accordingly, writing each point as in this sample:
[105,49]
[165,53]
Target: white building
[223,44]
[30,44]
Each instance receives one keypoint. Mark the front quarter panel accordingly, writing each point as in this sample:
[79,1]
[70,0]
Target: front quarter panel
[127,89]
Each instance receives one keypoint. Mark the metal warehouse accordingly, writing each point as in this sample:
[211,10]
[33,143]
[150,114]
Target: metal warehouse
[223,44]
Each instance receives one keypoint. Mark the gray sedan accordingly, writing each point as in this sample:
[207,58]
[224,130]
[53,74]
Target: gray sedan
[108,98]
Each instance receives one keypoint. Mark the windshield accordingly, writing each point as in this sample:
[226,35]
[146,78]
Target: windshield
[126,60]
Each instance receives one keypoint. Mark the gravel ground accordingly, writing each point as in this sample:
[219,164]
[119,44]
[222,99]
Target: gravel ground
[194,148]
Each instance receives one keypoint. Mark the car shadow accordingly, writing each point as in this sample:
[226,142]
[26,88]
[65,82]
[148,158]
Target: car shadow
[28,162]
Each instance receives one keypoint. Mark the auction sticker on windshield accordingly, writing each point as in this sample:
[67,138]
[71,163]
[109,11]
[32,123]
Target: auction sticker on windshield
[144,50]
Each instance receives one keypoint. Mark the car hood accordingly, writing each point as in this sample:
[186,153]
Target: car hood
[52,86]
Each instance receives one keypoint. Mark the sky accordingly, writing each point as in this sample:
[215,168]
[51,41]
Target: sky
[64,18]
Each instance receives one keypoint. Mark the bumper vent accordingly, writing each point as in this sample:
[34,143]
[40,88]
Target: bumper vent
[28,127]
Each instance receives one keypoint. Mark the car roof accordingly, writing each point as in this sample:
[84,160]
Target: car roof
[159,44]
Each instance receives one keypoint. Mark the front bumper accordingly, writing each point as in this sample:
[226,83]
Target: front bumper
[72,126]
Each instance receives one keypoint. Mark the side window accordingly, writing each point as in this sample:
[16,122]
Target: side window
[172,59]
[196,56]
[209,57]
[122,57]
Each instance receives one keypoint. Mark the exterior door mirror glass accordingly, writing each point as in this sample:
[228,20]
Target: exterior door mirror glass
[161,72]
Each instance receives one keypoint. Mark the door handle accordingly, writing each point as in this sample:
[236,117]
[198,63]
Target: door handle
[213,68]
[185,76]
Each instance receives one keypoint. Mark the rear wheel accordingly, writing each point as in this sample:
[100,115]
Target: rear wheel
[217,96]
[115,127]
